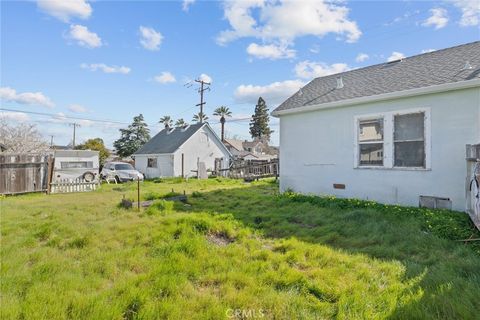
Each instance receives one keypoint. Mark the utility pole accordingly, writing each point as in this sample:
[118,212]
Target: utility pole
[203,87]
[51,141]
[75,125]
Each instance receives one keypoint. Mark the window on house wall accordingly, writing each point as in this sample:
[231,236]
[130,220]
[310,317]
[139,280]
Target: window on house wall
[394,139]
[409,140]
[370,142]
[152,163]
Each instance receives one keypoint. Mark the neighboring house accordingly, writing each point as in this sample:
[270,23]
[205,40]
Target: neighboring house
[3,147]
[251,150]
[176,152]
[390,132]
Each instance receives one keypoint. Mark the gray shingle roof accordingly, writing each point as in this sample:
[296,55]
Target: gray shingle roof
[424,70]
[169,142]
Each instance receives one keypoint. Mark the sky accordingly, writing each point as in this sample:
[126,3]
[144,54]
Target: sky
[100,63]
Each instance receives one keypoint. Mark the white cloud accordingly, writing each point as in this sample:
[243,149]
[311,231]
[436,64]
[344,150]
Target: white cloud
[270,51]
[165,77]
[273,93]
[205,77]
[396,56]
[361,57]
[186,4]
[65,10]
[107,69]
[14,116]
[84,37]
[427,50]
[32,98]
[150,39]
[308,70]
[470,12]
[438,18]
[77,108]
[286,19]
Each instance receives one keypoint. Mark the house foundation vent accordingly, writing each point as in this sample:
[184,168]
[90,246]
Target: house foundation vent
[435,202]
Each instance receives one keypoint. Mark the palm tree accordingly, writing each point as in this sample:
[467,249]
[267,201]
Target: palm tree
[222,112]
[200,117]
[180,123]
[167,121]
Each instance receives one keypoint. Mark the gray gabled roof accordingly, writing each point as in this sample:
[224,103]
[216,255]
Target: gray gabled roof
[168,141]
[424,70]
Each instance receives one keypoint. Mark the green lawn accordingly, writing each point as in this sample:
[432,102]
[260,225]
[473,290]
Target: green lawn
[236,251]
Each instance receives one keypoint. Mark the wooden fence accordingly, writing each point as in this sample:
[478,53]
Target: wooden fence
[22,173]
[253,170]
[69,185]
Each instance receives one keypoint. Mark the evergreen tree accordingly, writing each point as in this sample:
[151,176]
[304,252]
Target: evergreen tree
[132,138]
[97,145]
[259,127]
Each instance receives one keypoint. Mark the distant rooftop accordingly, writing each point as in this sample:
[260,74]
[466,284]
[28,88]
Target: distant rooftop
[444,66]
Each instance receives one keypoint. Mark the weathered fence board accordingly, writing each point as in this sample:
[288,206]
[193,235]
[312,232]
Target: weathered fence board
[76,185]
[22,173]
[253,170]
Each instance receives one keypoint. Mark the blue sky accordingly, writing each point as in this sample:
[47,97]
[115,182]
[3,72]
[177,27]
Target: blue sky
[112,60]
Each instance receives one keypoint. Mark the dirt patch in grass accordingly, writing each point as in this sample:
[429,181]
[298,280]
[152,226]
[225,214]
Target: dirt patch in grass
[219,238]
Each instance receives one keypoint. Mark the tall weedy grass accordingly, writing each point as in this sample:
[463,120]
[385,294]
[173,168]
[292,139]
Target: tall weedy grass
[234,250]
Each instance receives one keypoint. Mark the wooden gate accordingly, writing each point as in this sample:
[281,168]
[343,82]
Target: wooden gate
[22,173]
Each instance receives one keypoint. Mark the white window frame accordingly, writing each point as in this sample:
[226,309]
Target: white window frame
[388,142]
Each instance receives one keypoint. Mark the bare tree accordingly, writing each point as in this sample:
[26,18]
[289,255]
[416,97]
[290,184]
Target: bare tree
[21,138]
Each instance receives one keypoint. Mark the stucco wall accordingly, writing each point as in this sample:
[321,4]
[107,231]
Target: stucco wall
[203,145]
[317,150]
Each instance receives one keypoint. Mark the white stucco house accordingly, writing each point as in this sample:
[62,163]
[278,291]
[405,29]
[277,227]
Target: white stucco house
[176,152]
[390,132]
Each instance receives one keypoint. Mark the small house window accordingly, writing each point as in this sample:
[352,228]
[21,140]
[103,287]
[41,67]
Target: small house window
[76,164]
[409,140]
[370,142]
[152,163]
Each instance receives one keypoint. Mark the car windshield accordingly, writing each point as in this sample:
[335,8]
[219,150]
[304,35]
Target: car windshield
[123,166]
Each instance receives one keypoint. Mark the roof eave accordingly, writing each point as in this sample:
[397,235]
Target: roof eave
[381,97]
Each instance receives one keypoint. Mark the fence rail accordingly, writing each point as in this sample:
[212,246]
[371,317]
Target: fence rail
[253,170]
[76,185]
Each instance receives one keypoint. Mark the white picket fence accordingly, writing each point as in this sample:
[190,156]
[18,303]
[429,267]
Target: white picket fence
[73,185]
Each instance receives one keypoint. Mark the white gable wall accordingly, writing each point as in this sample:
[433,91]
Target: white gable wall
[317,149]
[203,146]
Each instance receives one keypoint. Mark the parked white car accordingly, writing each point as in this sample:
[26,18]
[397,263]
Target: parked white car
[120,171]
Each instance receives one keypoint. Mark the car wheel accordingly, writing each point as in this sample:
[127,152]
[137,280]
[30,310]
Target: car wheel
[88,176]
[117,179]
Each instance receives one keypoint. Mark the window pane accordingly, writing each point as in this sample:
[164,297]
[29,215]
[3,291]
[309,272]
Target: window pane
[371,130]
[410,154]
[371,154]
[409,126]
[76,164]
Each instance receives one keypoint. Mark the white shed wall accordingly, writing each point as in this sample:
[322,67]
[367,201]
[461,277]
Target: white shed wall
[317,150]
[164,165]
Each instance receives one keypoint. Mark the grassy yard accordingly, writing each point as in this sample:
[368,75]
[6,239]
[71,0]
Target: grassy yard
[235,251]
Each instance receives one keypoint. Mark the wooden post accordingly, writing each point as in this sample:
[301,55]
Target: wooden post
[138,193]
[183,165]
[49,174]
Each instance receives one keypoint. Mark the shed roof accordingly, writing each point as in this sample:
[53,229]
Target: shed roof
[424,70]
